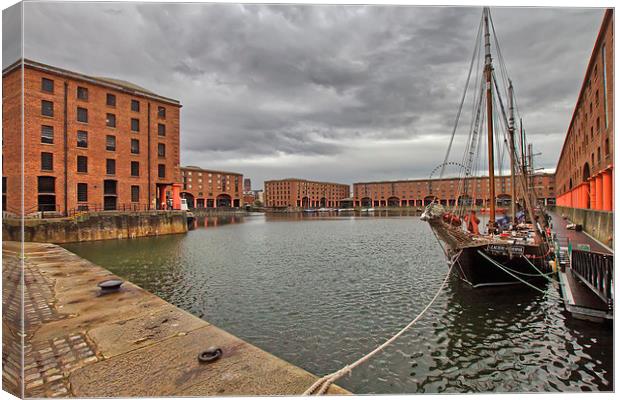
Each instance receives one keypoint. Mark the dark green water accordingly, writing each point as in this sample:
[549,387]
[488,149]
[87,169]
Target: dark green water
[321,291]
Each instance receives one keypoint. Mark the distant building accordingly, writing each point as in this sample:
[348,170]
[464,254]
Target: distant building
[584,173]
[420,192]
[89,143]
[205,188]
[301,193]
[247,185]
[259,195]
[253,196]
[249,198]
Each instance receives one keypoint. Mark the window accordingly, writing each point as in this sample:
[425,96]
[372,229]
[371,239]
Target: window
[110,100]
[46,184]
[161,112]
[82,93]
[47,134]
[161,170]
[607,147]
[47,85]
[110,120]
[47,161]
[82,114]
[161,129]
[135,105]
[135,124]
[110,143]
[135,168]
[598,154]
[135,193]
[161,150]
[82,192]
[135,146]
[110,166]
[47,108]
[82,139]
[4,193]
[109,186]
[82,164]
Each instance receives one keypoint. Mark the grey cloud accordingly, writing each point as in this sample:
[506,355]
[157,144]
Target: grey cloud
[11,34]
[283,90]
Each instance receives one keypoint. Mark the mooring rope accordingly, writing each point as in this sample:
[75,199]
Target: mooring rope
[322,384]
[516,277]
[526,274]
[539,271]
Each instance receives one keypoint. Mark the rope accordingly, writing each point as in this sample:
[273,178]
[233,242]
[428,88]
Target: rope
[526,274]
[458,114]
[515,276]
[322,384]
[539,271]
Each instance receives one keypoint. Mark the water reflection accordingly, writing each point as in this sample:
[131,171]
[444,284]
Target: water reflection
[322,291]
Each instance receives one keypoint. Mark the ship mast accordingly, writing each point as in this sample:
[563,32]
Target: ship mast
[511,135]
[488,72]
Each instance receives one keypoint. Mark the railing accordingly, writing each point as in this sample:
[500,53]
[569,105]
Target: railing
[81,209]
[595,270]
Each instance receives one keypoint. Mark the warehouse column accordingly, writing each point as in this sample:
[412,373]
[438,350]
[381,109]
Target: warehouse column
[607,190]
[599,191]
[592,193]
[176,196]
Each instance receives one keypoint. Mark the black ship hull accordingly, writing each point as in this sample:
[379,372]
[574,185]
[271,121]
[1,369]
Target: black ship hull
[516,265]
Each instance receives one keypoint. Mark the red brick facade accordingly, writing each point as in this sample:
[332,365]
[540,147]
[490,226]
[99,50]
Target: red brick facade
[150,142]
[301,193]
[584,173]
[417,193]
[204,188]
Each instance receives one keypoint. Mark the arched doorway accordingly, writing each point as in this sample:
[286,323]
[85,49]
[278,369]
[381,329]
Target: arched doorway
[223,200]
[586,172]
[393,202]
[189,197]
[323,202]
[366,202]
[586,176]
[305,202]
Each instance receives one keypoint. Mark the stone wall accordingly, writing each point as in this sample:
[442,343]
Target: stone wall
[201,212]
[97,226]
[598,224]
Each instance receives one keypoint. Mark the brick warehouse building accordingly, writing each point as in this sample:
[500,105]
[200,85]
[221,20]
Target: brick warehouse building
[205,188]
[584,173]
[301,193]
[89,142]
[420,192]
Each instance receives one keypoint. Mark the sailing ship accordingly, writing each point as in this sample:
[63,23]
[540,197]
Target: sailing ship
[506,253]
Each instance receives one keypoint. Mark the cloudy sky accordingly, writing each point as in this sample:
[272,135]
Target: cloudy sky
[338,93]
